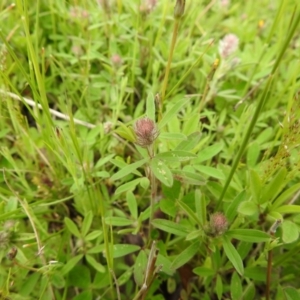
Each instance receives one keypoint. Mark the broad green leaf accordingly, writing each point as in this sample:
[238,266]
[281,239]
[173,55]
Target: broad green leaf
[132,204]
[71,264]
[170,227]
[172,192]
[118,221]
[165,263]
[190,143]
[273,188]
[150,106]
[86,224]
[236,289]
[209,152]
[172,136]
[80,276]
[290,231]
[189,211]
[103,161]
[291,293]
[29,283]
[248,235]
[161,171]
[144,183]
[128,186]
[248,208]
[93,235]
[200,205]
[233,255]
[255,185]
[175,156]
[232,209]
[286,195]
[120,250]
[189,177]
[210,171]
[171,113]
[72,227]
[196,234]
[93,263]
[253,154]
[185,256]
[219,287]
[256,273]
[86,295]
[204,272]
[140,268]
[288,209]
[129,169]
[168,207]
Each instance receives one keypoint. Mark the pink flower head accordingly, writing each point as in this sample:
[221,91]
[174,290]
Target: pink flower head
[218,223]
[228,45]
[146,132]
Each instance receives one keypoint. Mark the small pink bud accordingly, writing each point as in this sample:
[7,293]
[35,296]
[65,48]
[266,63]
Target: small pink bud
[146,132]
[116,60]
[228,45]
[218,223]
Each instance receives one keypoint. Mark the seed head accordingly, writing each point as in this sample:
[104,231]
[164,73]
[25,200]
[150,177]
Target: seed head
[218,223]
[146,132]
[228,45]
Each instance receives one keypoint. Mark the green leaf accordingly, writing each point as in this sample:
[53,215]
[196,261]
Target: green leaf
[175,156]
[232,210]
[132,204]
[125,132]
[72,227]
[29,284]
[93,235]
[140,267]
[71,264]
[86,224]
[291,293]
[253,154]
[271,191]
[236,289]
[120,250]
[189,211]
[219,287]
[169,226]
[286,195]
[233,255]
[256,273]
[290,232]
[248,235]
[204,272]
[248,208]
[190,143]
[255,185]
[200,205]
[288,209]
[185,256]
[86,295]
[210,171]
[209,152]
[171,113]
[128,186]
[189,177]
[129,169]
[150,106]
[80,277]
[168,207]
[93,263]
[161,171]
[117,221]
[171,136]
[144,183]
[103,161]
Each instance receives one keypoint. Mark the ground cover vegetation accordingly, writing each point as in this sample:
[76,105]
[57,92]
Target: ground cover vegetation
[149,149]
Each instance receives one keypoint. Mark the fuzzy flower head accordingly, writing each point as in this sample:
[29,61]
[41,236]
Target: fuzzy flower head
[228,45]
[218,223]
[146,132]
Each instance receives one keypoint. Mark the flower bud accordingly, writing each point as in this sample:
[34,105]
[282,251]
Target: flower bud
[218,223]
[228,45]
[146,132]
[179,9]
